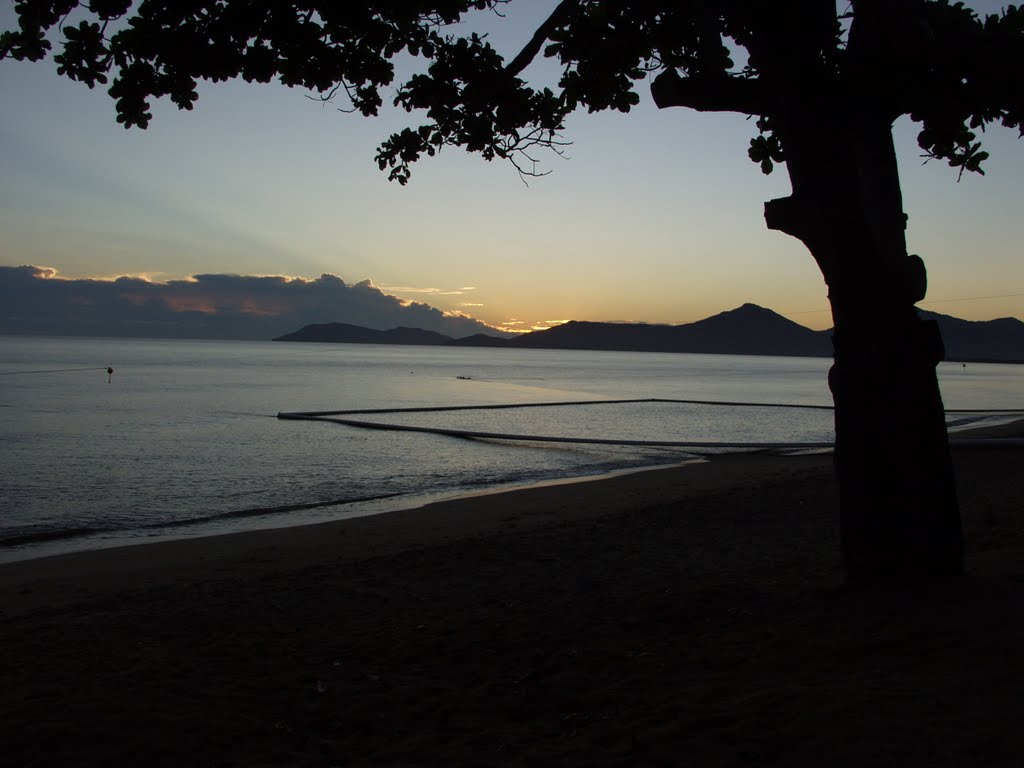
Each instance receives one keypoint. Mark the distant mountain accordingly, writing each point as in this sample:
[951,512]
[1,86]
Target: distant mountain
[581,334]
[753,330]
[980,340]
[343,333]
[746,330]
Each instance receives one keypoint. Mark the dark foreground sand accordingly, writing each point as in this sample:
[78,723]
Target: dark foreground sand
[689,616]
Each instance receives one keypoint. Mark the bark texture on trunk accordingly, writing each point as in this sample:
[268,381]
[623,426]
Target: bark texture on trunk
[898,506]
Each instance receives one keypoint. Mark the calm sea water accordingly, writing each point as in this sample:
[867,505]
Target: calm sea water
[184,440]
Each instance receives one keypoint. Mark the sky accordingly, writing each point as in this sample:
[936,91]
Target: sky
[654,216]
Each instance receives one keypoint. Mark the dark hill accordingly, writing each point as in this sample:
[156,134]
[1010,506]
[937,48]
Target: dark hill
[343,333]
[980,340]
[577,334]
[751,330]
[747,330]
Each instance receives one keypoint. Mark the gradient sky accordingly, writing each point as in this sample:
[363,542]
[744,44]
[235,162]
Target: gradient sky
[655,216]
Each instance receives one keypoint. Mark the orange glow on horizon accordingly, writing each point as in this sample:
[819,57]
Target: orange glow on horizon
[506,329]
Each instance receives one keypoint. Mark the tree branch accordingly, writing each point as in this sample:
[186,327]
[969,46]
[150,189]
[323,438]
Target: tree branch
[532,48]
[709,94]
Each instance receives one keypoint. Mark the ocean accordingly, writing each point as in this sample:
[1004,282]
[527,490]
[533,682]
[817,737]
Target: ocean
[183,438]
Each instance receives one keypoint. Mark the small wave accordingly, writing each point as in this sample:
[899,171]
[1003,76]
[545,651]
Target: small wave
[260,511]
[41,537]
[23,538]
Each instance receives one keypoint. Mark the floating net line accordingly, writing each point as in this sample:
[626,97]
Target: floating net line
[340,417]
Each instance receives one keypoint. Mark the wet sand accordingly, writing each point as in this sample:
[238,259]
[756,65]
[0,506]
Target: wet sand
[681,616]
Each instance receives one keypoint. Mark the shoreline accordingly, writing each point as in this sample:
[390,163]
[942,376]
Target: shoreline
[65,578]
[58,579]
[56,545]
[625,621]
[1009,432]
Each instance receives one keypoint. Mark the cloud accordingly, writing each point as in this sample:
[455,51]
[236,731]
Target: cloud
[409,289]
[397,289]
[510,327]
[37,300]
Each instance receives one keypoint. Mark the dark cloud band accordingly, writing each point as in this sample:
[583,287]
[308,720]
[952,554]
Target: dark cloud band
[36,300]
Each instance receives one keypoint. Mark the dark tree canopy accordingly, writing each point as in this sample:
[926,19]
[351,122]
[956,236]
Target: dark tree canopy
[936,61]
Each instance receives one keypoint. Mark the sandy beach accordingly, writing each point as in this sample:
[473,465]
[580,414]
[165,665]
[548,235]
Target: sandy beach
[691,615]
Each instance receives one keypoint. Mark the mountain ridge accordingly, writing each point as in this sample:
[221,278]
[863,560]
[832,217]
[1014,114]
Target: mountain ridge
[746,330]
[346,333]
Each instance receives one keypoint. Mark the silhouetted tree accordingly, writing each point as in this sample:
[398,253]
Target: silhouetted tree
[826,87]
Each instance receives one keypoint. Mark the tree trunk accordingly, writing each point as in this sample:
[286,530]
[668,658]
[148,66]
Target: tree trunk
[831,106]
[898,508]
